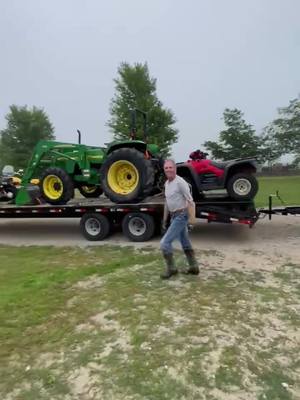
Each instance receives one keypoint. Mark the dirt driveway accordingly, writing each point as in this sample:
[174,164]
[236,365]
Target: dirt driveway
[280,236]
[264,247]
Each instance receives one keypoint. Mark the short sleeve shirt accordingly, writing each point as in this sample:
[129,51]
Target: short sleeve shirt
[177,194]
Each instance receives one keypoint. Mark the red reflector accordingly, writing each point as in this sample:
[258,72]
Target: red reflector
[245,221]
[212,217]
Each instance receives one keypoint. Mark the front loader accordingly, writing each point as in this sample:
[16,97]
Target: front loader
[126,171]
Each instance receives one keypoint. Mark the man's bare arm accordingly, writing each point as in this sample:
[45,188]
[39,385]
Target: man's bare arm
[166,213]
[185,189]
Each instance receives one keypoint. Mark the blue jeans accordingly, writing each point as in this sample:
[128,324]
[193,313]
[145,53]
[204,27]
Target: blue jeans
[178,229]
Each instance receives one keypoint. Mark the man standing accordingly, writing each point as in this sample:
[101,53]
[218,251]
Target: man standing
[178,197]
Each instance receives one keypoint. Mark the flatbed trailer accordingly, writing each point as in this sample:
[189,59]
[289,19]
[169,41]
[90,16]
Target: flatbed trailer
[139,222]
[284,210]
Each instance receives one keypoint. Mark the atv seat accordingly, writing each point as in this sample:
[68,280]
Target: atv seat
[220,165]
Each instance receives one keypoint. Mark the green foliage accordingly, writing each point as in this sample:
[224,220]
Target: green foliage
[237,140]
[135,88]
[285,130]
[270,150]
[25,127]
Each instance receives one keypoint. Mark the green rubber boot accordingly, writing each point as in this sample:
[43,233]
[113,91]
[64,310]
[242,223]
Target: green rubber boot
[170,266]
[193,264]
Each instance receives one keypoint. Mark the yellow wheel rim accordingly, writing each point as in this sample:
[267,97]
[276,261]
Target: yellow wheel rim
[53,187]
[123,177]
[89,189]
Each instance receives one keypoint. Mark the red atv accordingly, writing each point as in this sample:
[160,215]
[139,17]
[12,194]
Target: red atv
[236,176]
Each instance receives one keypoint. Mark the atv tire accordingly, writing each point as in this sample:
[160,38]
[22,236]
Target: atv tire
[242,186]
[127,176]
[90,191]
[56,186]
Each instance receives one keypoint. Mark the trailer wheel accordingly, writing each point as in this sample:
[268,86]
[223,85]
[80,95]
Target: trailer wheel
[94,226]
[138,227]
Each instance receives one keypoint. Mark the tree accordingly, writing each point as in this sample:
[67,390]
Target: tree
[285,130]
[25,127]
[136,89]
[270,149]
[237,141]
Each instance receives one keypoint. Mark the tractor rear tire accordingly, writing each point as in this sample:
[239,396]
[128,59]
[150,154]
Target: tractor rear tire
[242,186]
[56,186]
[127,176]
[89,191]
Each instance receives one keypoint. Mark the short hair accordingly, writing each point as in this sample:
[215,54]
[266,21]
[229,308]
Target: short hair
[171,161]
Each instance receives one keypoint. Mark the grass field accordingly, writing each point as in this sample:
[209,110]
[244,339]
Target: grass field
[288,186]
[98,323]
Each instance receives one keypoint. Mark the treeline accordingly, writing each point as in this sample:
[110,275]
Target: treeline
[135,88]
[280,137]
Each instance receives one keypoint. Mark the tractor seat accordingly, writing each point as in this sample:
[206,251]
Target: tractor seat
[220,165]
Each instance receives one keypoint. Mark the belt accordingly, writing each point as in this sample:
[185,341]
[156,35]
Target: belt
[180,210]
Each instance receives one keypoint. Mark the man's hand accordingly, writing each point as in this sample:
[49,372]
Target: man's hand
[164,227]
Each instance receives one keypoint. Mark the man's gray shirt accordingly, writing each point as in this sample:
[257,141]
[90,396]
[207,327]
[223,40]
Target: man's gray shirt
[177,194]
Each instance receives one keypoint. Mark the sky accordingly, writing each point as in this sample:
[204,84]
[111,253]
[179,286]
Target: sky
[62,56]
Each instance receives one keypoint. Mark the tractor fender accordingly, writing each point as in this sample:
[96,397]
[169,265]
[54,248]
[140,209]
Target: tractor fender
[133,144]
[237,166]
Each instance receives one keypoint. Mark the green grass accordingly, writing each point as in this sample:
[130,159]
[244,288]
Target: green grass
[99,323]
[288,187]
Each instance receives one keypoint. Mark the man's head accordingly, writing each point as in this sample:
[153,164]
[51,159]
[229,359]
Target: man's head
[170,169]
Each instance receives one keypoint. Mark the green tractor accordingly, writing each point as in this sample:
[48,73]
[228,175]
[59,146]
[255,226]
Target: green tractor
[126,171]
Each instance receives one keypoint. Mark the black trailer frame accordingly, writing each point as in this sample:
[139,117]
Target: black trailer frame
[285,210]
[139,222]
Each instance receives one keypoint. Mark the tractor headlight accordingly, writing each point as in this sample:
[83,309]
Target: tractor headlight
[86,173]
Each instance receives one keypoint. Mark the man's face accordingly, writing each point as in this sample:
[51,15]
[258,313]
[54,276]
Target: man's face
[170,170]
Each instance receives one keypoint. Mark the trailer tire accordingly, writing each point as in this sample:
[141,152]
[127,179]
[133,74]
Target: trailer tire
[94,226]
[56,186]
[138,227]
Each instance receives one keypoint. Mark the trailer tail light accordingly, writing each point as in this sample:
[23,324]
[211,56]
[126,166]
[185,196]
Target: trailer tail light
[212,217]
[245,221]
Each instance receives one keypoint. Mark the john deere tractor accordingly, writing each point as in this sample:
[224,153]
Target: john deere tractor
[126,171]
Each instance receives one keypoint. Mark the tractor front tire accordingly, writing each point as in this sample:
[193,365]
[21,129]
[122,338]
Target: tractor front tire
[89,191]
[56,186]
[127,176]
[242,186]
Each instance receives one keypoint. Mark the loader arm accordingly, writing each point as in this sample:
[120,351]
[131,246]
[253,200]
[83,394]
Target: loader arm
[42,148]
